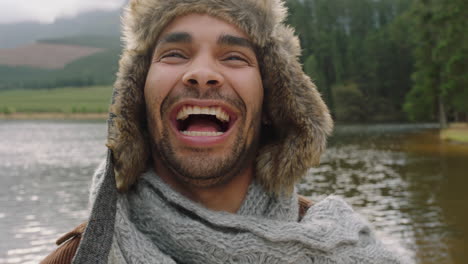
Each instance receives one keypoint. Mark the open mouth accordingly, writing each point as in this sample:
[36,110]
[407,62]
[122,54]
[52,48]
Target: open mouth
[199,121]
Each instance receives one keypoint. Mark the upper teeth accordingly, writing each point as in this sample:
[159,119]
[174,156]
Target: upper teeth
[197,110]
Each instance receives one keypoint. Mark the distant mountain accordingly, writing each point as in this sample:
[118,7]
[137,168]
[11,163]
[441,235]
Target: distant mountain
[68,61]
[103,23]
[79,51]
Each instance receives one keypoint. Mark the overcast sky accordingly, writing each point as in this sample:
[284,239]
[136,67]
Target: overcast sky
[46,11]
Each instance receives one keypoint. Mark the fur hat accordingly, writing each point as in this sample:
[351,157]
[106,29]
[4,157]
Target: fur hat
[299,119]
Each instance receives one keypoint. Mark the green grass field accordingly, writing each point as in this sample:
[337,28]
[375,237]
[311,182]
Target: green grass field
[93,99]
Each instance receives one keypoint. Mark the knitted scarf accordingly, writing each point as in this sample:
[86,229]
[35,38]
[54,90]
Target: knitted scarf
[155,224]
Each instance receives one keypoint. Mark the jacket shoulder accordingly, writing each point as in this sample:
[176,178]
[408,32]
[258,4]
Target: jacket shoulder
[68,245]
[304,205]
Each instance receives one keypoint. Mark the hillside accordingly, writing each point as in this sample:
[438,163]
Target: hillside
[89,40]
[73,61]
[45,56]
[79,51]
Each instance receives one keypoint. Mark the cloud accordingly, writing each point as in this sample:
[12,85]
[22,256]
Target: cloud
[47,11]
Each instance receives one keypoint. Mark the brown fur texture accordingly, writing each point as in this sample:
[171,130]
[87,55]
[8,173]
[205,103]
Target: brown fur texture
[299,121]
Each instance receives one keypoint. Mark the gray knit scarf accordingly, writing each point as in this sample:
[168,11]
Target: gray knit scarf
[155,224]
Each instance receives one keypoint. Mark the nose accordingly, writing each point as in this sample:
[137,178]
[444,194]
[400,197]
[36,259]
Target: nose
[203,75]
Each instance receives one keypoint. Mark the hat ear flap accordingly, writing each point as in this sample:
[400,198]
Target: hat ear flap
[299,116]
[127,120]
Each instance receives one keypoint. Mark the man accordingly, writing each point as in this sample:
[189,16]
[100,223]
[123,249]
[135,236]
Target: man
[212,123]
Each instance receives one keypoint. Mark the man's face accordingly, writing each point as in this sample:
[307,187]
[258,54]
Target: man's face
[204,97]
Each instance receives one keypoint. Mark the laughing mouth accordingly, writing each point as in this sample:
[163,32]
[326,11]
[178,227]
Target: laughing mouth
[199,121]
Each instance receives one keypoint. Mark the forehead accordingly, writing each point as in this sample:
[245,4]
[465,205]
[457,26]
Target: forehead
[202,26]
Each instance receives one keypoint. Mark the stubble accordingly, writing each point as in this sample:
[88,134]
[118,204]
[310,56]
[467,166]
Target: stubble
[201,168]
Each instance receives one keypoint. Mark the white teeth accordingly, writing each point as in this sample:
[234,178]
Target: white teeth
[182,115]
[202,134]
[197,110]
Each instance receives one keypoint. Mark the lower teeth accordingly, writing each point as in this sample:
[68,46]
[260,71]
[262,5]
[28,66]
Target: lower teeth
[199,133]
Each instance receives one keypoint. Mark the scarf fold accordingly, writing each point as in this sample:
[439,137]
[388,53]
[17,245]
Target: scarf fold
[155,224]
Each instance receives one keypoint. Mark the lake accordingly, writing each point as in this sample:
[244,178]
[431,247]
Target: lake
[408,183]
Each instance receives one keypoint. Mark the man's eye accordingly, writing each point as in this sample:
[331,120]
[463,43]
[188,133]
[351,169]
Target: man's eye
[173,55]
[233,58]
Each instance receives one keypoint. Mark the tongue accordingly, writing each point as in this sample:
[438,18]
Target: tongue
[202,125]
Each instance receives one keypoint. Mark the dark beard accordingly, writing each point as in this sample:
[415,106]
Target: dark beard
[201,170]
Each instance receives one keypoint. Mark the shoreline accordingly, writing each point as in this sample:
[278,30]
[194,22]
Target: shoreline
[54,116]
[456,132]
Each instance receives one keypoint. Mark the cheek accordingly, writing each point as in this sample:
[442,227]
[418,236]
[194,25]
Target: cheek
[159,82]
[249,87]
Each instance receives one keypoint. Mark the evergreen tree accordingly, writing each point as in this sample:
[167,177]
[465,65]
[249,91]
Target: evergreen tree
[440,50]
[352,45]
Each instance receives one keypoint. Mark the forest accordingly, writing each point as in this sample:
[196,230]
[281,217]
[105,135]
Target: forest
[386,60]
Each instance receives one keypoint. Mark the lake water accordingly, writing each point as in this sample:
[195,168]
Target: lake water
[410,185]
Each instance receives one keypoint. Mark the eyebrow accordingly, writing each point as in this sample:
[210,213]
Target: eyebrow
[175,37]
[231,40]
[225,39]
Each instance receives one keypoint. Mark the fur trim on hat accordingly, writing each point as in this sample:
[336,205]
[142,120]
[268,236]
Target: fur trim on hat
[299,119]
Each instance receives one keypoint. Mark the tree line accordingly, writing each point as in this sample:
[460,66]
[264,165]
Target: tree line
[386,60]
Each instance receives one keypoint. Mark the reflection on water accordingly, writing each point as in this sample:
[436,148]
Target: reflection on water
[407,182]
[45,170]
